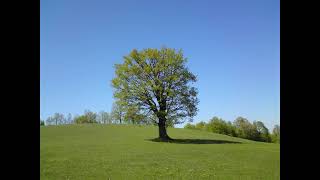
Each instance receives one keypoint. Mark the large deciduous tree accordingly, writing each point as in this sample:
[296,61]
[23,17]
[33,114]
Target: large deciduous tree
[159,82]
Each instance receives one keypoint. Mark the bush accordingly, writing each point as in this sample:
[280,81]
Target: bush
[263,132]
[232,131]
[275,137]
[217,125]
[189,126]
[88,117]
[201,125]
[245,129]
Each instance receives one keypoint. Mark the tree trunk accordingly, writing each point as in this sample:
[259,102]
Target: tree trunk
[162,130]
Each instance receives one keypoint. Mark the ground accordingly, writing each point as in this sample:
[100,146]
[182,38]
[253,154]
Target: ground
[128,152]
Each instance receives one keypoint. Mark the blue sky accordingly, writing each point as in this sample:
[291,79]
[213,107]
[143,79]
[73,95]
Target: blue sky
[232,46]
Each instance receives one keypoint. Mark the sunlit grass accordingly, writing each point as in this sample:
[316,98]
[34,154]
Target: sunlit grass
[128,152]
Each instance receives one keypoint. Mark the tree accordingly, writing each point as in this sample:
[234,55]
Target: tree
[41,123]
[217,125]
[276,130]
[91,116]
[88,117]
[133,114]
[157,81]
[80,119]
[276,134]
[69,119]
[118,111]
[264,134]
[231,129]
[201,125]
[189,126]
[56,119]
[245,129]
[105,118]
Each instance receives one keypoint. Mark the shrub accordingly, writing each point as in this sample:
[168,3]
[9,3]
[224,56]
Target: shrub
[201,125]
[189,126]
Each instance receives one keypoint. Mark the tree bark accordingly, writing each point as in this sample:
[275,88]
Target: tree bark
[162,130]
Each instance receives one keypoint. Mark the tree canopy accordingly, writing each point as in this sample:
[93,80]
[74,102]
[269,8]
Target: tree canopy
[158,82]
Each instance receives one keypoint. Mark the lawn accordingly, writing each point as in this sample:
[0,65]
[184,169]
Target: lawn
[127,152]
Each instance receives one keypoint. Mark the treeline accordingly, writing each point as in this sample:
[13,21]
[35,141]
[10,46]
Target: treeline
[87,117]
[92,117]
[241,127]
[118,115]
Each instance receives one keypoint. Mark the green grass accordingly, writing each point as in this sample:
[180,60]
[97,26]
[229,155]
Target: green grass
[126,152]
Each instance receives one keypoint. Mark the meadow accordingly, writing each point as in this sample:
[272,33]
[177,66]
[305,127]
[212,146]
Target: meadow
[96,151]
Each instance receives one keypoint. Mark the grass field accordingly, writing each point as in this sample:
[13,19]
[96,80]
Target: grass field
[126,152]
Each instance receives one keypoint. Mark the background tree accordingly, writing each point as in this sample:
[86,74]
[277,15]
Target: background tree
[245,129]
[276,134]
[118,111]
[133,115]
[87,117]
[91,116]
[80,119]
[69,119]
[200,125]
[104,117]
[189,126]
[232,131]
[217,125]
[157,81]
[58,118]
[264,134]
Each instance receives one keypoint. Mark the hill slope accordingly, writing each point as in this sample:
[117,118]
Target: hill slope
[125,152]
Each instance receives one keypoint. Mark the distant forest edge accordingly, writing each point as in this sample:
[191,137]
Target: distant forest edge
[241,127]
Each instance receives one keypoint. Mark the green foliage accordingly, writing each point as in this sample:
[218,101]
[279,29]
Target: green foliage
[41,123]
[104,118]
[241,127]
[232,131]
[218,125]
[118,111]
[133,115]
[95,151]
[56,119]
[157,81]
[263,132]
[275,137]
[189,126]
[245,129]
[69,119]
[81,119]
[88,117]
[201,125]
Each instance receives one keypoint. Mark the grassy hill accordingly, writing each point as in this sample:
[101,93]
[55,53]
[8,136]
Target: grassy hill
[126,152]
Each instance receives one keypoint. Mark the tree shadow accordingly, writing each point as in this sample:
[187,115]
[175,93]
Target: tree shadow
[196,141]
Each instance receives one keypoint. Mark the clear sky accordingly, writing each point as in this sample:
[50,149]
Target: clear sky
[232,46]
